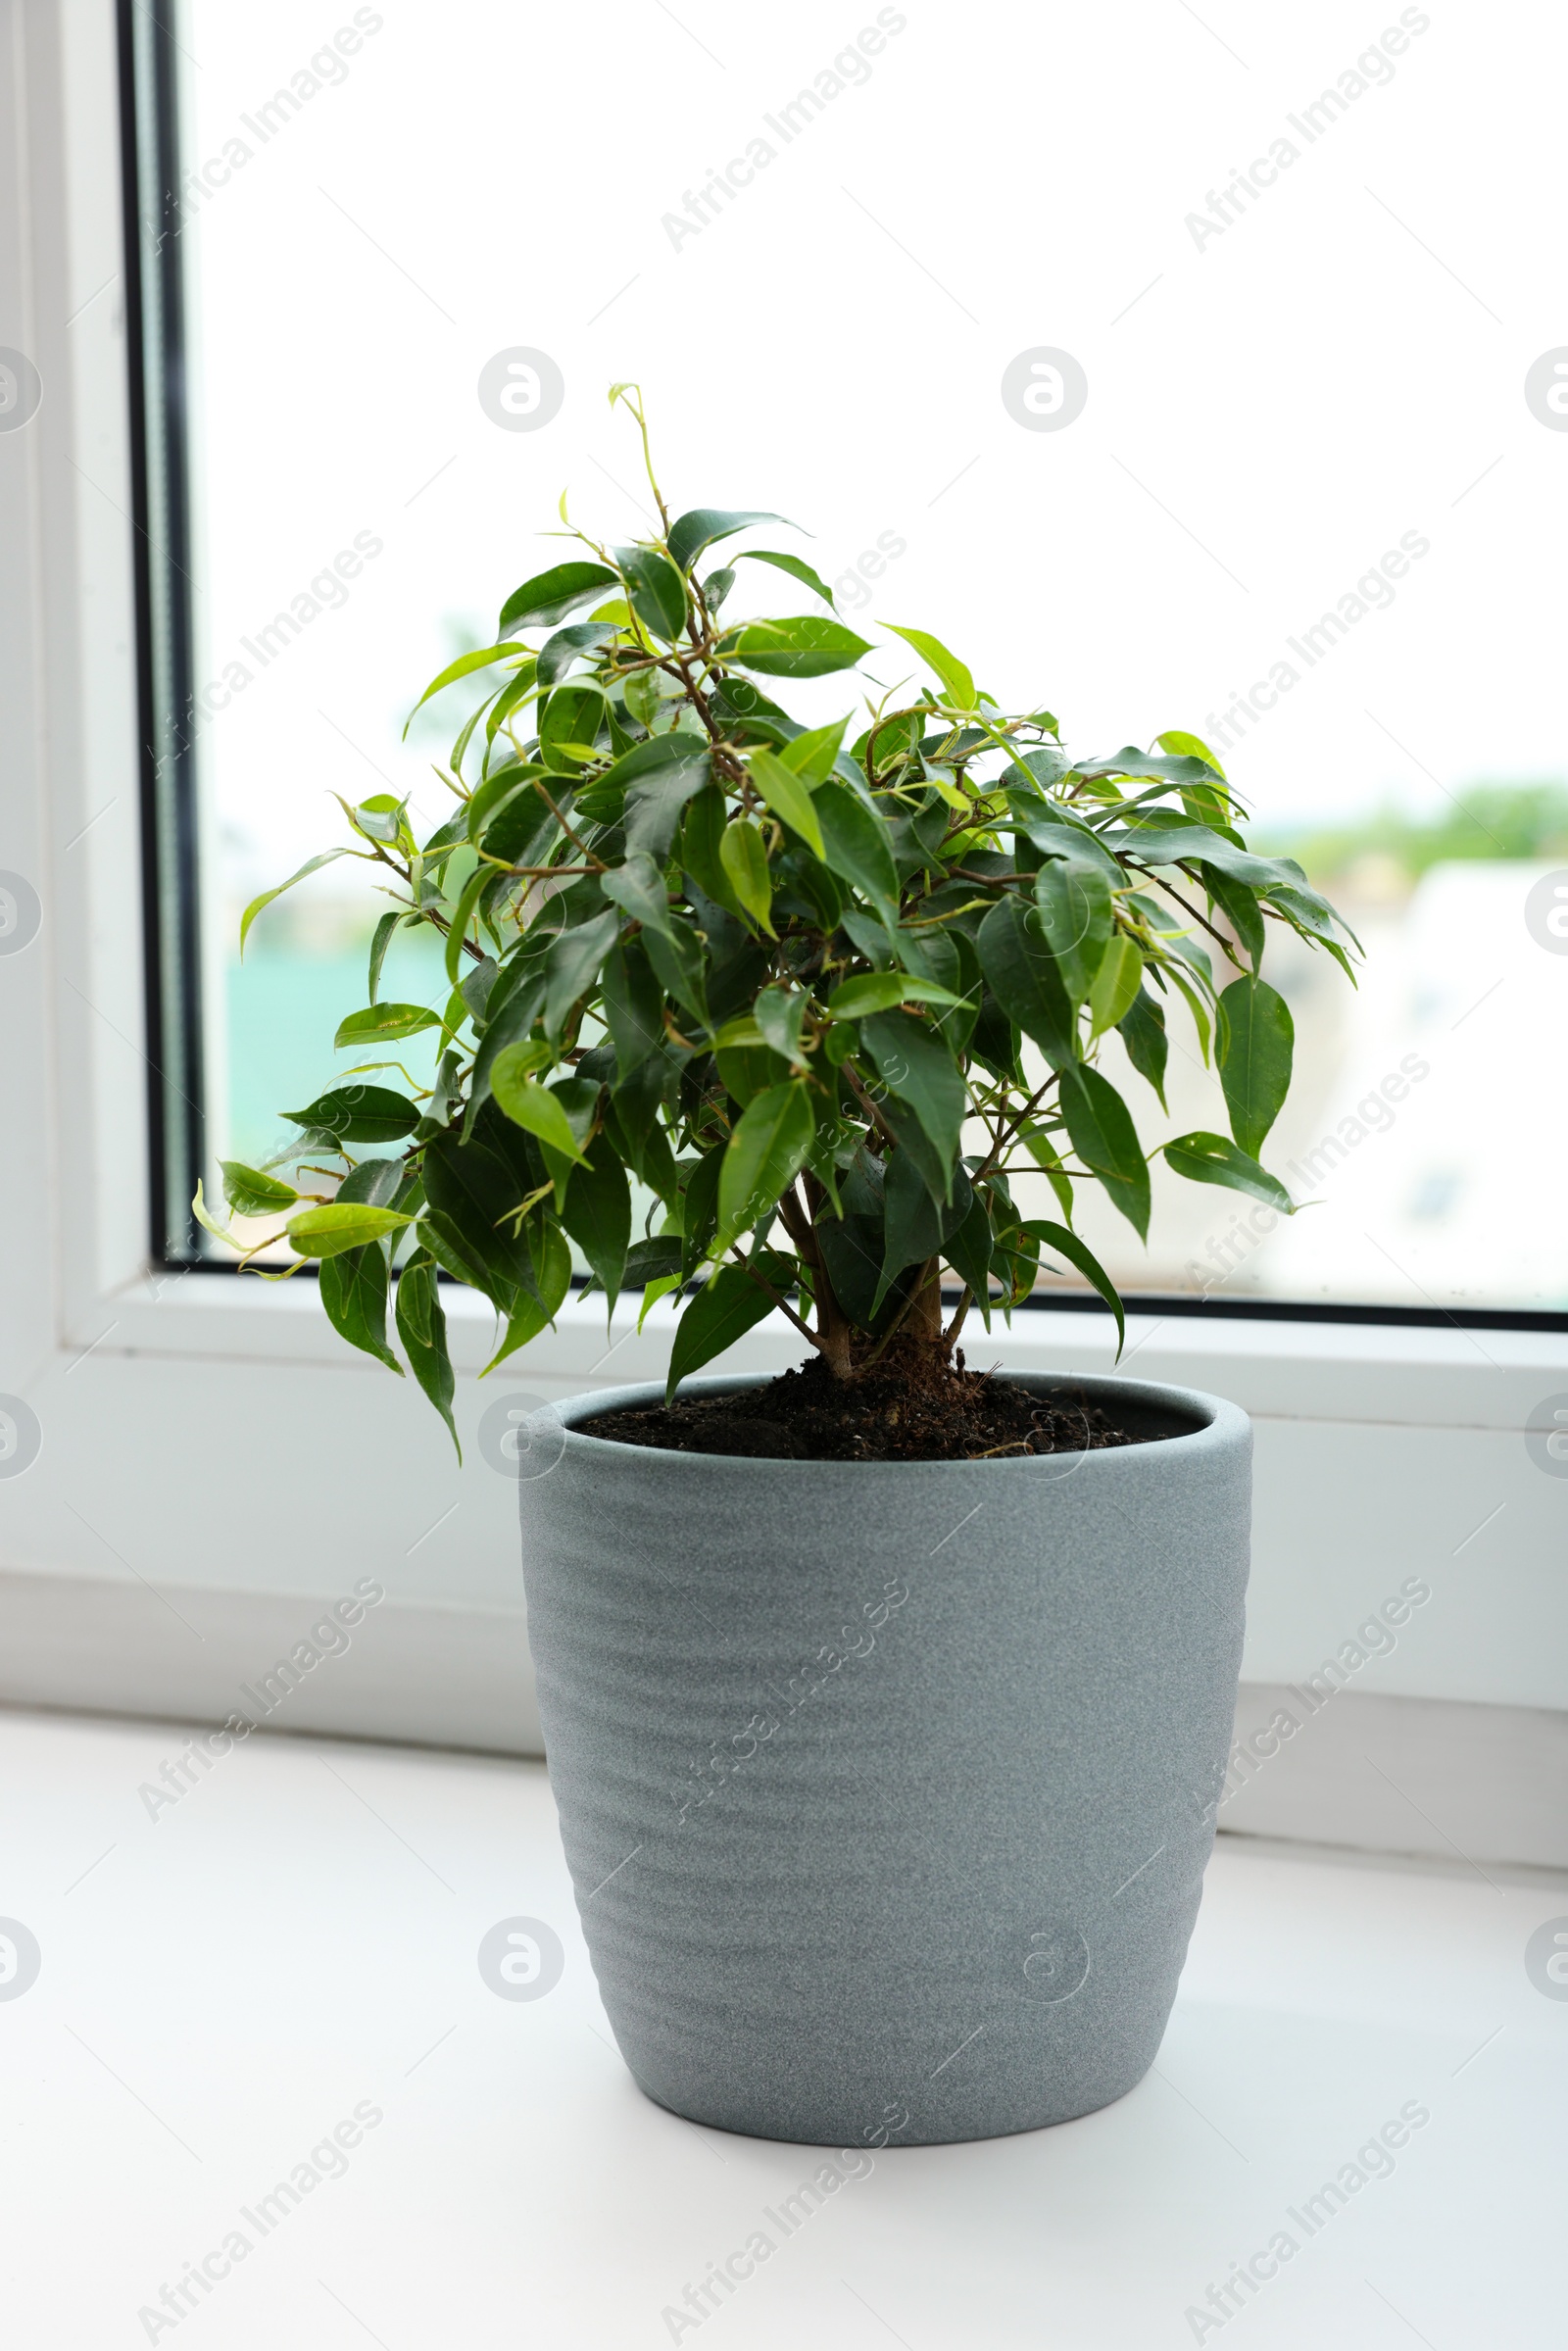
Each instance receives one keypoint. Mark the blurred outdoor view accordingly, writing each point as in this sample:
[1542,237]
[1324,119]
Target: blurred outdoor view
[831,344]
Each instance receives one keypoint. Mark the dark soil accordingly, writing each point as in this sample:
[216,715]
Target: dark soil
[914,1406]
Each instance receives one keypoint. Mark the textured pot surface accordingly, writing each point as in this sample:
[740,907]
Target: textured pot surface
[887,1789]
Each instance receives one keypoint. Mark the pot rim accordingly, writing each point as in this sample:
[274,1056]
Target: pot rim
[1219,1423]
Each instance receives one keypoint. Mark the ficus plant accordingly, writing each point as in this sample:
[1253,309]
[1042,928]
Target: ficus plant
[763,1014]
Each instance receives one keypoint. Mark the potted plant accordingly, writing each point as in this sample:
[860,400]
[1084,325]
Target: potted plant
[887,1705]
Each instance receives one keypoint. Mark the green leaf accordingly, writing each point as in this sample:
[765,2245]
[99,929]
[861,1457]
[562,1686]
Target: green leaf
[793,565]
[359,1114]
[912,1138]
[1142,1032]
[508,1022]
[896,745]
[454,1254]
[659,777]
[521,687]
[478,986]
[323,1232]
[1116,985]
[1057,835]
[813,754]
[553,1262]
[698,852]
[1255,1045]
[698,1204]
[1131,762]
[677,958]
[463,914]
[1026,980]
[1074,901]
[957,681]
[522,675]
[780,1012]
[381,1024]
[915,1228]
[1316,920]
[1046,1156]
[1067,1244]
[527,1103]
[724,1310]
[577,1099]
[968,1249]
[1195,1005]
[463,666]
[867,992]
[743,854]
[249,1192]
[1192,747]
[1107,1140]
[474,1188]
[1207,803]
[1017,1264]
[770,1144]
[310,865]
[884,991]
[570,726]
[917,1067]
[571,966]
[744,710]
[638,888]
[1239,909]
[631,1121]
[597,1215]
[633,1007]
[786,796]
[705,526]
[853,844]
[353,1287]
[652,1260]
[1160,841]
[569,645]
[422,1329]
[747,1063]
[379,818]
[803,646]
[654,803]
[551,595]
[209,1223]
[1206,1159]
[379,1184]
[500,791]
[657,590]
[380,944]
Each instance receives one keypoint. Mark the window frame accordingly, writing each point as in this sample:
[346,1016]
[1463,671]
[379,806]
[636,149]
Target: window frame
[176,967]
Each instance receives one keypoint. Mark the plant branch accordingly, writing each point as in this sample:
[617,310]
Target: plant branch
[1219,937]
[868,1105]
[930,1272]
[1008,1127]
[595,864]
[782,1304]
[949,1335]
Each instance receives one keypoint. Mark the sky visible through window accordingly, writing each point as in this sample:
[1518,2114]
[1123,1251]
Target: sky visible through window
[1167,367]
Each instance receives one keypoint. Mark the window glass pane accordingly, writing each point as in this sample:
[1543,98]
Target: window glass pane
[1167,369]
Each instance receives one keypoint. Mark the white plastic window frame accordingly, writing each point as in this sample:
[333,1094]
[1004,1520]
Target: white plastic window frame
[209,1451]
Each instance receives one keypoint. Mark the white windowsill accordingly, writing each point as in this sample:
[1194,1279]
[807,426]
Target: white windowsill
[298,1937]
[1399,1374]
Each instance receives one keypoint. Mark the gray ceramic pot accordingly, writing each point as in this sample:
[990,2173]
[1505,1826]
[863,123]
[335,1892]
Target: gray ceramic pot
[887,1790]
